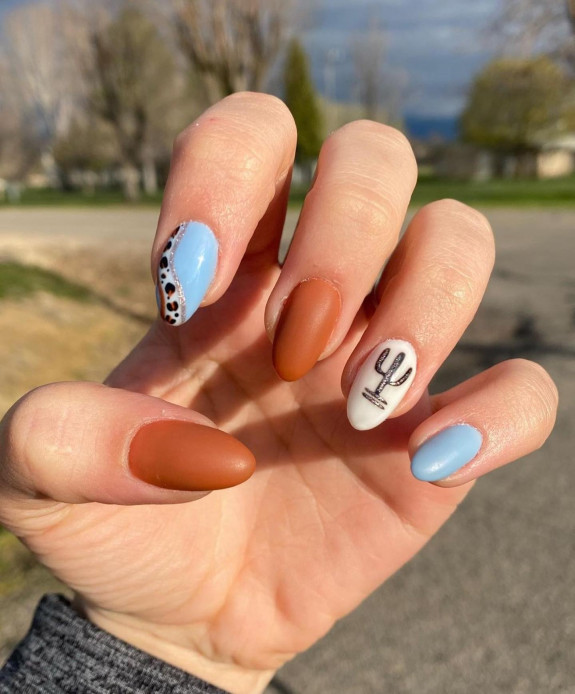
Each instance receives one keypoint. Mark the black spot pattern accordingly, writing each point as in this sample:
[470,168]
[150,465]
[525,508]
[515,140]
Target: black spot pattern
[171,310]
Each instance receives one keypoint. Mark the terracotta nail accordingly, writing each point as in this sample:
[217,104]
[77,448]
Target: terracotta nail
[304,328]
[188,457]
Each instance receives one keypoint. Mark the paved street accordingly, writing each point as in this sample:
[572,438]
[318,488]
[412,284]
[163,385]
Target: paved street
[489,606]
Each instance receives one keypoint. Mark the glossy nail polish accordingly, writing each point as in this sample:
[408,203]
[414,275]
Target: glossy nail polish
[446,453]
[188,457]
[381,384]
[306,323]
[186,270]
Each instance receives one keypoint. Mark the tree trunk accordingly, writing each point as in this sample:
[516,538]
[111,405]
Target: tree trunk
[149,176]
[526,164]
[14,191]
[130,178]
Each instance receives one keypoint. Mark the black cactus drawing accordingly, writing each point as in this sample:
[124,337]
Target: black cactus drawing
[374,396]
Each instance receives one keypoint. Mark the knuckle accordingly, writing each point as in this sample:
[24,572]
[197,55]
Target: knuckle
[362,208]
[383,141]
[241,158]
[243,162]
[452,286]
[472,224]
[240,136]
[265,109]
[380,133]
[16,437]
[538,395]
[31,428]
[537,382]
[259,100]
[459,247]
[396,142]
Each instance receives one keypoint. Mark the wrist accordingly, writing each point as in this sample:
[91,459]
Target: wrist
[228,676]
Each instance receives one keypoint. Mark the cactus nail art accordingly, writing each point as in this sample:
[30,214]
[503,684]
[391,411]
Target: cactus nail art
[381,384]
[185,272]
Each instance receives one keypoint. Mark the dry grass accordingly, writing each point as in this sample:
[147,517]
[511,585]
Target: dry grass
[48,338]
[72,320]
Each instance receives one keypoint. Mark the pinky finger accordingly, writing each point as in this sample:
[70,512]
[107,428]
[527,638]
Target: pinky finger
[484,423]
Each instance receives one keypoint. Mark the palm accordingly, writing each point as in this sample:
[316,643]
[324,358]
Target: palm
[329,514]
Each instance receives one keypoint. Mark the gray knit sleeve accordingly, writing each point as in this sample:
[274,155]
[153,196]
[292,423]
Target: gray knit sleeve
[63,653]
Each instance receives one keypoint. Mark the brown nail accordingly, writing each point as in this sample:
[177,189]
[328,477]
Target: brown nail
[188,457]
[305,326]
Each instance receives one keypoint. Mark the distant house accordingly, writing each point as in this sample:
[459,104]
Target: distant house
[463,162]
[557,157]
[550,158]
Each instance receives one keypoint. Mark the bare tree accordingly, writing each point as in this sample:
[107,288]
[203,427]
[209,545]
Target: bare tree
[231,44]
[130,81]
[529,26]
[39,91]
[378,90]
[20,146]
[368,53]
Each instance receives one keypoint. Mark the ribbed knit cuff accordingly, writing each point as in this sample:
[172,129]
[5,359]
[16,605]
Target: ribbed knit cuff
[63,653]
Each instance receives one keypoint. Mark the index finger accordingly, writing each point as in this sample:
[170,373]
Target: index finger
[227,168]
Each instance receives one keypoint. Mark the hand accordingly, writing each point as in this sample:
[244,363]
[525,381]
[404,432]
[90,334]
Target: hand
[107,483]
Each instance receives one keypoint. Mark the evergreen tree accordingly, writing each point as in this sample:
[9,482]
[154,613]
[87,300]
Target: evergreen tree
[301,99]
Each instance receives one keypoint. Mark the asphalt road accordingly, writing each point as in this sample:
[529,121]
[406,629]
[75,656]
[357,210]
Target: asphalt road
[488,606]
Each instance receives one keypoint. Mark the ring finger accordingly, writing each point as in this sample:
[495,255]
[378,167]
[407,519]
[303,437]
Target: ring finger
[428,295]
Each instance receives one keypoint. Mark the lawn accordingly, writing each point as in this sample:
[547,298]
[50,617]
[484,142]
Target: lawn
[40,197]
[500,193]
[496,193]
[17,280]
[513,193]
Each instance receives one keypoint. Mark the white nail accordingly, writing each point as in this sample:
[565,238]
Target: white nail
[381,383]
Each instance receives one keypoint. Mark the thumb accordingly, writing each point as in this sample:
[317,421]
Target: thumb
[84,442]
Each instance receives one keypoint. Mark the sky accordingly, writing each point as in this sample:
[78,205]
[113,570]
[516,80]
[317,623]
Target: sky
[436,46]
[6,5]
[439,45]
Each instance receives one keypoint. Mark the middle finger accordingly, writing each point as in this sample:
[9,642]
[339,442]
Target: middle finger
[349,225]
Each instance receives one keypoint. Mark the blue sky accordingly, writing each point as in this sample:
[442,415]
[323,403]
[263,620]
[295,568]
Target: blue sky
[8,4]
[437,44]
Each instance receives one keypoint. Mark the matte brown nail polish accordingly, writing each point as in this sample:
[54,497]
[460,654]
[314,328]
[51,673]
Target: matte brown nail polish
[186,456]
[304,328]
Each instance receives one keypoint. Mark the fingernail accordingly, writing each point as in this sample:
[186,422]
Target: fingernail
[304,328]
[381,383]
[188,457]
[185,272]
[446,452]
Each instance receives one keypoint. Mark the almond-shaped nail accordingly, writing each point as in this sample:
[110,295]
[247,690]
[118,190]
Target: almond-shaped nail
[381,384]
[185,271]
[446,453]
[186,456]
[306,323]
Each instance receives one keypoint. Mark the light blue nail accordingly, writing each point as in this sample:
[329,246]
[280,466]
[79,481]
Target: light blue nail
[446,452]
[186,270]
